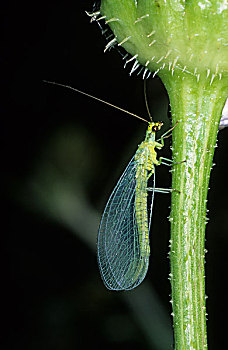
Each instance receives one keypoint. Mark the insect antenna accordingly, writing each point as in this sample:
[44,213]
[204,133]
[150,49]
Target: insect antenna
[95,98]
[145,95]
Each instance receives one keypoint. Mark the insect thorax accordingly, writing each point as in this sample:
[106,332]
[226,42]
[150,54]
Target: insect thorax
[146,156]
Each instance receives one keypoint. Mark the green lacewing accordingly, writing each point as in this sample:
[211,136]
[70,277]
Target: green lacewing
[123,238]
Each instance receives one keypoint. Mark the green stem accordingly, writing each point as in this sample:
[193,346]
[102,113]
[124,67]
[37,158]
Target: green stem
[197,107]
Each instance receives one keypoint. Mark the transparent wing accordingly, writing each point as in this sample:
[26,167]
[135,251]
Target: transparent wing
[122,263]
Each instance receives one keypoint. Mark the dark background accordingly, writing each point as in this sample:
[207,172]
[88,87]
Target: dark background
[62,153]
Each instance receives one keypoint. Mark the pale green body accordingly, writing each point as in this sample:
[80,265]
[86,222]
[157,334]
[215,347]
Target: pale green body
[145,158]
[123,237]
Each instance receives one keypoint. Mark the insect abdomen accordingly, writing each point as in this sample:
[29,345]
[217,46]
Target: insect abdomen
[141,211]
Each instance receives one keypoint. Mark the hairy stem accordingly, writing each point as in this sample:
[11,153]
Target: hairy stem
[197,106]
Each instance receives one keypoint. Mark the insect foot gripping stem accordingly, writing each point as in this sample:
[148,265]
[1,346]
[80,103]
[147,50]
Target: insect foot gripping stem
[163,190]
[169,162]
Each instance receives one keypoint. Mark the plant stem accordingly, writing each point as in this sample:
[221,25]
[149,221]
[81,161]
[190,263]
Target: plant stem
[197,106]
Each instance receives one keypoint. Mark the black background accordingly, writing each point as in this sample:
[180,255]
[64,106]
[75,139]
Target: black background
[61,147]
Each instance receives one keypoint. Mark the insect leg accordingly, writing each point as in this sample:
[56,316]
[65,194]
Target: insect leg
[169,162]
[163,190]
[165,135]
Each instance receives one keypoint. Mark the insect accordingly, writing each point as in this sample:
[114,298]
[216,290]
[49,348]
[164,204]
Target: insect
[123,237]
[123,248]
